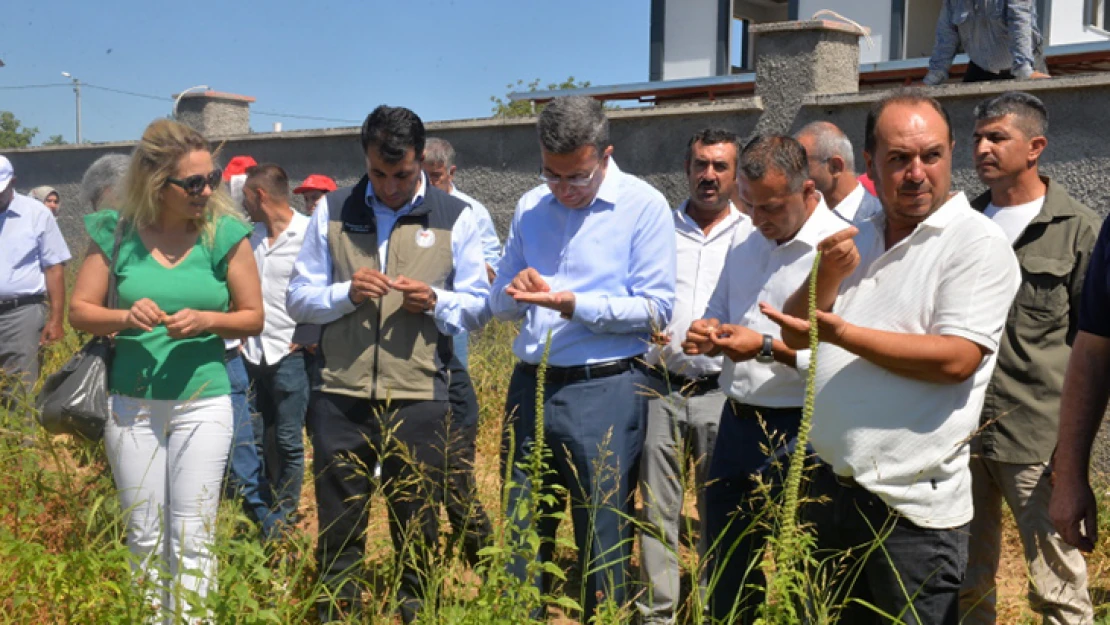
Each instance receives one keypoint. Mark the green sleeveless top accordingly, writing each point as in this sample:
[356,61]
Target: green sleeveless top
[152,365]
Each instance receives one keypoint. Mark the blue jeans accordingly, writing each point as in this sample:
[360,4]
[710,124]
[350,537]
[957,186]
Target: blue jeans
[916,565]
[734,530]
[594,431]
[244,465]
[281,398]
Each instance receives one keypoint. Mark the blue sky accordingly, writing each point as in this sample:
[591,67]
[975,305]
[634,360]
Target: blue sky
[330,58]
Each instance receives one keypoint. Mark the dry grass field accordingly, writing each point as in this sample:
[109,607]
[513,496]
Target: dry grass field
[62,558]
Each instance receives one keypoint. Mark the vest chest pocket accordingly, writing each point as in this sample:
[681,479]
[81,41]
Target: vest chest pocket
[1044,285]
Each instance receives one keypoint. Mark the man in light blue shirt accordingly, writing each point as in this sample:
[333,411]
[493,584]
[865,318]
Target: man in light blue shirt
[590,262]
[32,257]
[392,268]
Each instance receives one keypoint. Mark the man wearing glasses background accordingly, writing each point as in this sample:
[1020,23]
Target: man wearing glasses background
[590,260]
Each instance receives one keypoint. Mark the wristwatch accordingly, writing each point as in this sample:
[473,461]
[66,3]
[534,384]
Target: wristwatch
[766,353]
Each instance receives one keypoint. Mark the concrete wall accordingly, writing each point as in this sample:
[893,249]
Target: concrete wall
[499,159]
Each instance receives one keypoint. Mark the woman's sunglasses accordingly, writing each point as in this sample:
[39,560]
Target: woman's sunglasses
[194,185]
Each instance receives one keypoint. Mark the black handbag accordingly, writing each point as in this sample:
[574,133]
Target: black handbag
[74,400]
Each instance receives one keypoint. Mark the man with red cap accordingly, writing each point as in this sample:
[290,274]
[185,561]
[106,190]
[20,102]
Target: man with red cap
[235,174]
[313,188]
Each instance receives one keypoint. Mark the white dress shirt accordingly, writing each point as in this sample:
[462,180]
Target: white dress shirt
[903,439]
[701,258]
[859,205]
[491,244]
[275,268]
[314,298]
[760,270]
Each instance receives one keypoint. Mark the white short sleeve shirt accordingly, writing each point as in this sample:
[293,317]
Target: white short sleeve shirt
[903,439]
[275,268]
[760,270]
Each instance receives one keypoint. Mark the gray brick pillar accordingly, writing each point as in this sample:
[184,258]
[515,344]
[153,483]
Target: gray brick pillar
[216,114]
[796,59]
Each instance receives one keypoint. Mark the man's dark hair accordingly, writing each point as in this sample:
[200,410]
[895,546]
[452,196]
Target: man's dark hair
[901,96]
[270,177]
[393,131]
[568,123]
[1030,114]
[775,152]
[713,136]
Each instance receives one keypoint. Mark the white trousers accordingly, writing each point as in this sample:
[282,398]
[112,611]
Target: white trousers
[168,459]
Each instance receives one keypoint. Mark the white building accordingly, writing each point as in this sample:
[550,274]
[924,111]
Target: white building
[701,38]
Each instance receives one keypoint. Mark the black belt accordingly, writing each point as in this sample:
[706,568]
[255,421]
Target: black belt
[687,386]
[745,411]
[845,481]
[230,354]
[22,300]
[567,375]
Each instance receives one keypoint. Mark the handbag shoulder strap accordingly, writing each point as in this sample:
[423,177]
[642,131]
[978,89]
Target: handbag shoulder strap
[113,287]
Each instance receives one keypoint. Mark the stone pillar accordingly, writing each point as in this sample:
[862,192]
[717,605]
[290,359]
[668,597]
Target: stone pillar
[796,59]
[215,114]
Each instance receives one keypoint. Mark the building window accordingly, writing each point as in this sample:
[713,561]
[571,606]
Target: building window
[1094,14]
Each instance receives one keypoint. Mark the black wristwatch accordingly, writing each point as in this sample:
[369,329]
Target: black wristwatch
[766,353]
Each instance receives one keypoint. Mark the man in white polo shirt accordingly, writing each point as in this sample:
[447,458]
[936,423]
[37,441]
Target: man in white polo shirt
[911,314]
[763,378]
[684,411]
[276,358]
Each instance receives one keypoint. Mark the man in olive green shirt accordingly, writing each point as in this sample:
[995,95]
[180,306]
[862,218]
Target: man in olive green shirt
[1053,236]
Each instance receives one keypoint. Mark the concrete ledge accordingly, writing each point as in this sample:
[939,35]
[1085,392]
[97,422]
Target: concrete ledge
[969,90]
[216,95]
[794,27]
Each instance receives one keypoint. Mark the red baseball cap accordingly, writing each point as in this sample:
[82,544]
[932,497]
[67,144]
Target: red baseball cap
[316,182]
[238,165]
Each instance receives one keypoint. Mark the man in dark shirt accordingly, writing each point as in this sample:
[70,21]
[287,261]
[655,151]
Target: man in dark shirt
[1073,508]
[1052,235]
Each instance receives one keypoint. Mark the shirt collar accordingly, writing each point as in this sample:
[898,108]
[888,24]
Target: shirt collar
[417,199]
[686,222]
[947,212]
[609,191]
[813,230]
[297,222]
[855,198]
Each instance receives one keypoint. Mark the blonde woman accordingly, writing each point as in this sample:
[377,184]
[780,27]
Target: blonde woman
[186,280]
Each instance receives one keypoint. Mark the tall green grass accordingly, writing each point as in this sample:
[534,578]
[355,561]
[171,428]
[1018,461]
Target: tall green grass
[63,558]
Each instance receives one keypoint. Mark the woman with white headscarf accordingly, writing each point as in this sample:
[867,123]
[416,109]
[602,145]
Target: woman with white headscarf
[49,196]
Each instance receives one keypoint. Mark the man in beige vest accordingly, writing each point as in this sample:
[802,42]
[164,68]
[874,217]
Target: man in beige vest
[392,268]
